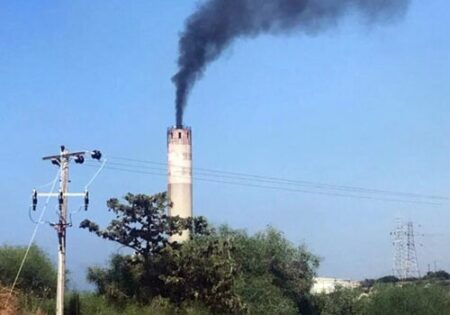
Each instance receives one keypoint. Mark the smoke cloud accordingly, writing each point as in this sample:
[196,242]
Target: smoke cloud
[217,23]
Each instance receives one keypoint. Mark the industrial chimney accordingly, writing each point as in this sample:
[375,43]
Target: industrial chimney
[179,152]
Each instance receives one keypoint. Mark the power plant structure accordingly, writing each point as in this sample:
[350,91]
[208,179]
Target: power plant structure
[179,154]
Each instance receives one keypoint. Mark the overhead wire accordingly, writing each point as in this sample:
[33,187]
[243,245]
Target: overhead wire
[45,185]
[95,175]
[141,170]
[278,180]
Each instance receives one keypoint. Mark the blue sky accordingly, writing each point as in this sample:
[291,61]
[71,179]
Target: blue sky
[356,105]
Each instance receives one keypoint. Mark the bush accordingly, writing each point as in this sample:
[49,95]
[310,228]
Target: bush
[38,276]
[409,299]
[263,297]
[91,304]
[438,275]
[274,271]
[342,301]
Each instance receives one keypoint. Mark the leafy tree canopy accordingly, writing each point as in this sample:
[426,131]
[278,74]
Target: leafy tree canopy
[38,275]
[388,279]
[438,275]
[141,223]
[275,273]
[226,270]
[200,270]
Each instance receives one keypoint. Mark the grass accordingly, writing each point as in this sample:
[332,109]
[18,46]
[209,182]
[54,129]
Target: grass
[88,304]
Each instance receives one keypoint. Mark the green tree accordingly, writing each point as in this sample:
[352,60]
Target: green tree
[437,275]
[200,270]
[261,296]
[141,224]
[276,275]
[203,270]
[387,279]
[342,301]
[120,281]
[38,276]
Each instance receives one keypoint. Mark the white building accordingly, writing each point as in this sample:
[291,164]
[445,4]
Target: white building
[328,285]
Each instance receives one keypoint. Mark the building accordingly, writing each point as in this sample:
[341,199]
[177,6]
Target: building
[328,285]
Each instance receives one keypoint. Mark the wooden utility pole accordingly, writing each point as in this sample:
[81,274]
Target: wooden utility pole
[63,160]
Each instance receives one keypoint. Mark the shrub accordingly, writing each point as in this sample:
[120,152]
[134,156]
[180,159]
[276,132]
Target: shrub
[38,276]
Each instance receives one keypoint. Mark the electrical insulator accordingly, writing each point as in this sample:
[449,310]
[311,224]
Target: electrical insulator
[86,200]
[34,198]
[56,162]
[60,199]
[79,159]
[96,155]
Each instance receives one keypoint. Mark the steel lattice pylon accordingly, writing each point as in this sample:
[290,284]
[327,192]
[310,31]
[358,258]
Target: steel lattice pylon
[405,255]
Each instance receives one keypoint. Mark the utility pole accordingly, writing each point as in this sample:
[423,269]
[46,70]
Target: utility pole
[61,230]
[63,160]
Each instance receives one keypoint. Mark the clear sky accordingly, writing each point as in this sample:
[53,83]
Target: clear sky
[357,105]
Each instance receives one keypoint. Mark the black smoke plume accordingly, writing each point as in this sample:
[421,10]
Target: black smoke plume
[217,23]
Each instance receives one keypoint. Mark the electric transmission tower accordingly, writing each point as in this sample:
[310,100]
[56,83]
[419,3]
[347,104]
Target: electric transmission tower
[63,160]
[405,255]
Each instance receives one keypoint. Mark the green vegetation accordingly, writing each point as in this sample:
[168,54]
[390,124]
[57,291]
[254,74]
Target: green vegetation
[340,302]
[225,271]
[218,271]
[387,299]
[275,275]
[37,278]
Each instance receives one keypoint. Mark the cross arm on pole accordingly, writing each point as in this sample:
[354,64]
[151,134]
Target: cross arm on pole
[50,157]
[60,195]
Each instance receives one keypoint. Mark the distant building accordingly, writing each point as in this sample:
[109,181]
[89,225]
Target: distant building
[328,285]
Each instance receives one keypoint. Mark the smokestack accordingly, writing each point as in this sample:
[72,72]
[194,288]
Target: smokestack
[179,153]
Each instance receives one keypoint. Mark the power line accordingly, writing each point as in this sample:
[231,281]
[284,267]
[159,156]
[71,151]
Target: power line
[279,188]
[290,181]
[96,174]
[234,176]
